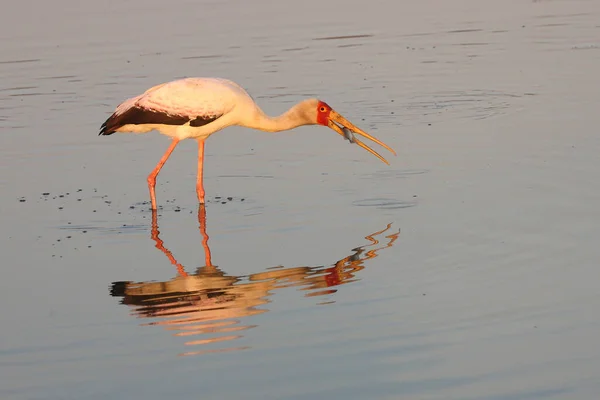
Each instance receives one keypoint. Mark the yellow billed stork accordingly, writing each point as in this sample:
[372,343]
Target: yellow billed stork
[195,108]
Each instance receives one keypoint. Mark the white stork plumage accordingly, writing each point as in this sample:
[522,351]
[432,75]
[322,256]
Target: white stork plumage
[195,108]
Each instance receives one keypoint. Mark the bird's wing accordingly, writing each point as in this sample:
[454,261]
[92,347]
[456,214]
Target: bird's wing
[198,101]
[192,97]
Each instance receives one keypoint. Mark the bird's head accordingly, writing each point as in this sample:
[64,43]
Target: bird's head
[319,112]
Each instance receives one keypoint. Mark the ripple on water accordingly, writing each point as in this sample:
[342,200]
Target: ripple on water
[384,203]
[345,37]
[394,173]
[477,103]
[123,228]
[33,60]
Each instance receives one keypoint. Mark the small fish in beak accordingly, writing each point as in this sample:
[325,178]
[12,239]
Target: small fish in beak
[348,135]
[348,129]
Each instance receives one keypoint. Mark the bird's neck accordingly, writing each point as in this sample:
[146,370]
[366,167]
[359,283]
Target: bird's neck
[288,120]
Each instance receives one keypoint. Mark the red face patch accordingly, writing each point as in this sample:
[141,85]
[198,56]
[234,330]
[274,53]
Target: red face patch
[323,111]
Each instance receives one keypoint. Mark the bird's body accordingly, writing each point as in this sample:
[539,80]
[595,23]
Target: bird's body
[195,108]
[181,109]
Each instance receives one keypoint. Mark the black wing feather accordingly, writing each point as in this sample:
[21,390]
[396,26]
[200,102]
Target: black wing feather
[140,116]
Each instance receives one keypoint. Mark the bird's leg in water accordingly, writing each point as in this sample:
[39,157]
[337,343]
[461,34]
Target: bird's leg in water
[199,184]
[154,173]
[202,224]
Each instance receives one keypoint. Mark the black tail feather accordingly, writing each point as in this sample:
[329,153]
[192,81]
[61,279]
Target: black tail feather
[108,127]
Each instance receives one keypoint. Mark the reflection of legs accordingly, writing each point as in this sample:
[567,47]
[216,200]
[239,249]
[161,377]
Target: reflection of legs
[202,222]
[161,247]
[199,183]
[373,252]
[372,239]
[154,173]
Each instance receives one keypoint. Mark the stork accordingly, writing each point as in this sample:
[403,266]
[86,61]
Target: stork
[195,108]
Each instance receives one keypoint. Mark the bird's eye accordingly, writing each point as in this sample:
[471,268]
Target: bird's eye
[322,109]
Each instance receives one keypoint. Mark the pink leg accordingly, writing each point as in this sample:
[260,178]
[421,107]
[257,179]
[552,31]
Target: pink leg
[199,184]
[154,173]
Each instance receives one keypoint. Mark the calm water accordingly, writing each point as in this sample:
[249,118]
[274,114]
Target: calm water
[468,269]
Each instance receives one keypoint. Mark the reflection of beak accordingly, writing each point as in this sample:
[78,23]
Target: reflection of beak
[335,119]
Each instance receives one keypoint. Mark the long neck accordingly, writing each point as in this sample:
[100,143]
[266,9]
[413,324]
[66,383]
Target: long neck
[288,120]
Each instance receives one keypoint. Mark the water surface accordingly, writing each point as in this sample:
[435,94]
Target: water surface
[467,269]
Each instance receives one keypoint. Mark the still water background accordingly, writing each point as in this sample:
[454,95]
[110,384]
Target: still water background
[468,269]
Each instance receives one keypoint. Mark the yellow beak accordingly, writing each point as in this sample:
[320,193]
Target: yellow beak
[335,119]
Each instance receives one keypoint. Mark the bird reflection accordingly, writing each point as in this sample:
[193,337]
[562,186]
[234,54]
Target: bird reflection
[209,305]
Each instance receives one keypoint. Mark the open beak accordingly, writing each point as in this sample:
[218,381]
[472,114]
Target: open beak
[335,119]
